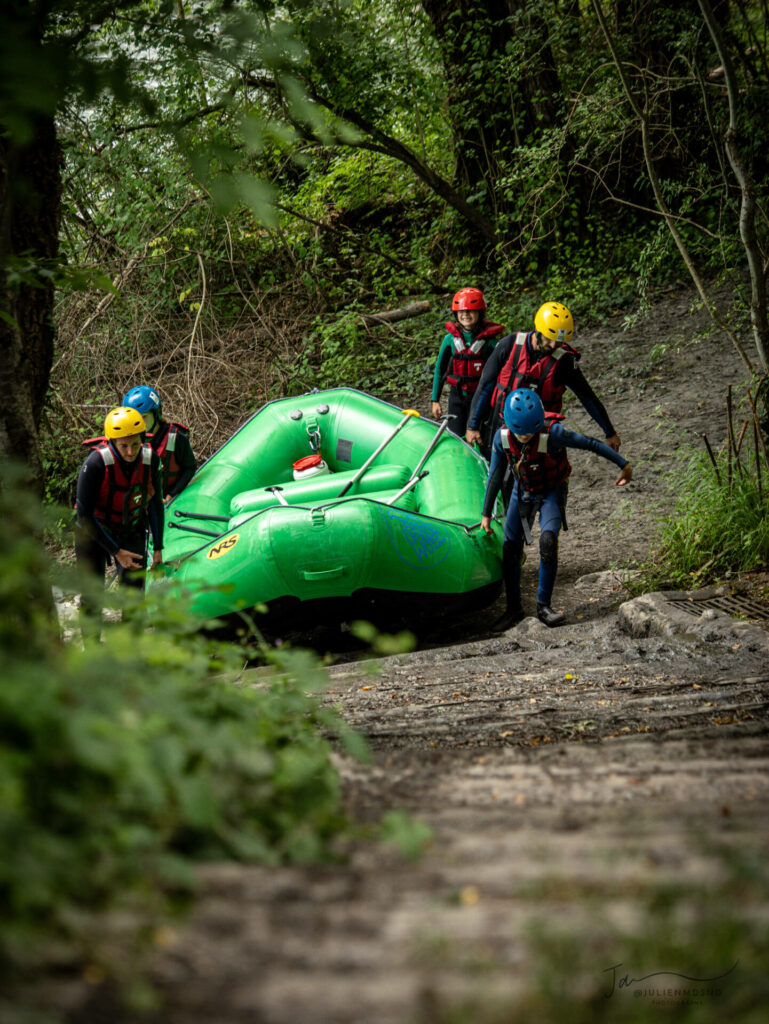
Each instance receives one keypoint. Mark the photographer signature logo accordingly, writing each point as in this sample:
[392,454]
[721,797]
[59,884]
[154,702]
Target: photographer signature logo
[628,981]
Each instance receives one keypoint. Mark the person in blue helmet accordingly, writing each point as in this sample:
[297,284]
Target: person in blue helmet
[170,440]
[533,443]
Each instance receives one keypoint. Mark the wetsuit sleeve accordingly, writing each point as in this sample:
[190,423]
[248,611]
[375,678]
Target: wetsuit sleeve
[87,498]
[441,367]
[491,371]
[496,475]
[187,464]
[560,437]
[156,508]
[571,375]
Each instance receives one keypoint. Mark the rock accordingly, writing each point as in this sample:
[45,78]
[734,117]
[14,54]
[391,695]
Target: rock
[610,581]
[665,613]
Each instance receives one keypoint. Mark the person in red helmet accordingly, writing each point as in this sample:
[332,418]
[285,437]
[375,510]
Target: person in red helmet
[469,341]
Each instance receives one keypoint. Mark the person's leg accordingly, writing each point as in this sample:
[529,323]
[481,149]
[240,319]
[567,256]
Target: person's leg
[458,408]
[550,520]
[512,553]
[91,559]
[488,428]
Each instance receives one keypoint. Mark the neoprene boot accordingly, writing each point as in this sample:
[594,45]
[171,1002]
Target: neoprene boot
[550,618]
[511,574]
[511,618]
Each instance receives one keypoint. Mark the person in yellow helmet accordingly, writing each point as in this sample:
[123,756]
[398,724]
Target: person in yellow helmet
[543,360]
[120,499]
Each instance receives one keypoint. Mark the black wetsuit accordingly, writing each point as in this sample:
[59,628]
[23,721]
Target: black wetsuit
[95,542]
[567,374]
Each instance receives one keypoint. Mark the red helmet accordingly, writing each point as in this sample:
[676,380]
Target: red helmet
[468,298]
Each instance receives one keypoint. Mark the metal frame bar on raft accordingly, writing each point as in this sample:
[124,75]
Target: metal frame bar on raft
[379,450]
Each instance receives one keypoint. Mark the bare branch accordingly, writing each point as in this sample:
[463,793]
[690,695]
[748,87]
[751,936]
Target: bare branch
[641,113]
[438,289]
[758,314]
[122,276]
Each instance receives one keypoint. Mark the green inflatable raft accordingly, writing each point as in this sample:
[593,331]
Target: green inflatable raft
[336,503]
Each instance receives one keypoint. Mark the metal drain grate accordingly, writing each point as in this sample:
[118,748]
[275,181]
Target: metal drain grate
[732,605]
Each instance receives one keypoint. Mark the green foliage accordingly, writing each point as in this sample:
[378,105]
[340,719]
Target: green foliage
[128,757]
[638,973]
[296,105]
[26,626]
[717,528]
[406,834]
[383,643]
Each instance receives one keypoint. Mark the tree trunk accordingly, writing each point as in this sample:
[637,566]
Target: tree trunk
[30,210]
[494,107]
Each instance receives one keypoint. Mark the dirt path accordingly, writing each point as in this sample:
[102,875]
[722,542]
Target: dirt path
[597,794]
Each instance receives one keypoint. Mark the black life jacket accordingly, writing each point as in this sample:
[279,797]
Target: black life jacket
[467,362]
[124,497]
[535,468]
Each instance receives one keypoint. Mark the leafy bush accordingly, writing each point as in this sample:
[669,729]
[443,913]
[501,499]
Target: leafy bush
[717,528]
[126,758]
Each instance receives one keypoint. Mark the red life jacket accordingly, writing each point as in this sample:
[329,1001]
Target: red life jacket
[537,470]
[124,497]
[525,369]
[165,446]
[94,442]
[467,362]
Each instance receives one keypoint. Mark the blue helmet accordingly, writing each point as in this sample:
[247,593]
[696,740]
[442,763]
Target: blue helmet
[144,400]
[524,413]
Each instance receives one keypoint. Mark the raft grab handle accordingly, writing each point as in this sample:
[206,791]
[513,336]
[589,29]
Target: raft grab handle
[408,413]
[323,574]
[196,529]
[200,515]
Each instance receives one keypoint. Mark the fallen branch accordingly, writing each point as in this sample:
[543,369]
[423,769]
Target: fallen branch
[392,316]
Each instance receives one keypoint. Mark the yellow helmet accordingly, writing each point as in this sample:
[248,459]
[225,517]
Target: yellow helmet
[555,322]
[124,422]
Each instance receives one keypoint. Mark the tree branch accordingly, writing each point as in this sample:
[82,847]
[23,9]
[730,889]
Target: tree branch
[434,287]
[379,141]
[758,315]
[642,115]
[122,276]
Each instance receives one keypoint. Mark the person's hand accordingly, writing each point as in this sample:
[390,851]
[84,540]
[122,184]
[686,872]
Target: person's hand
[157,558]
[473,437]
[486,524]
[436,410]
[129,559]
[614,442]
[168,499]
[625,476]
